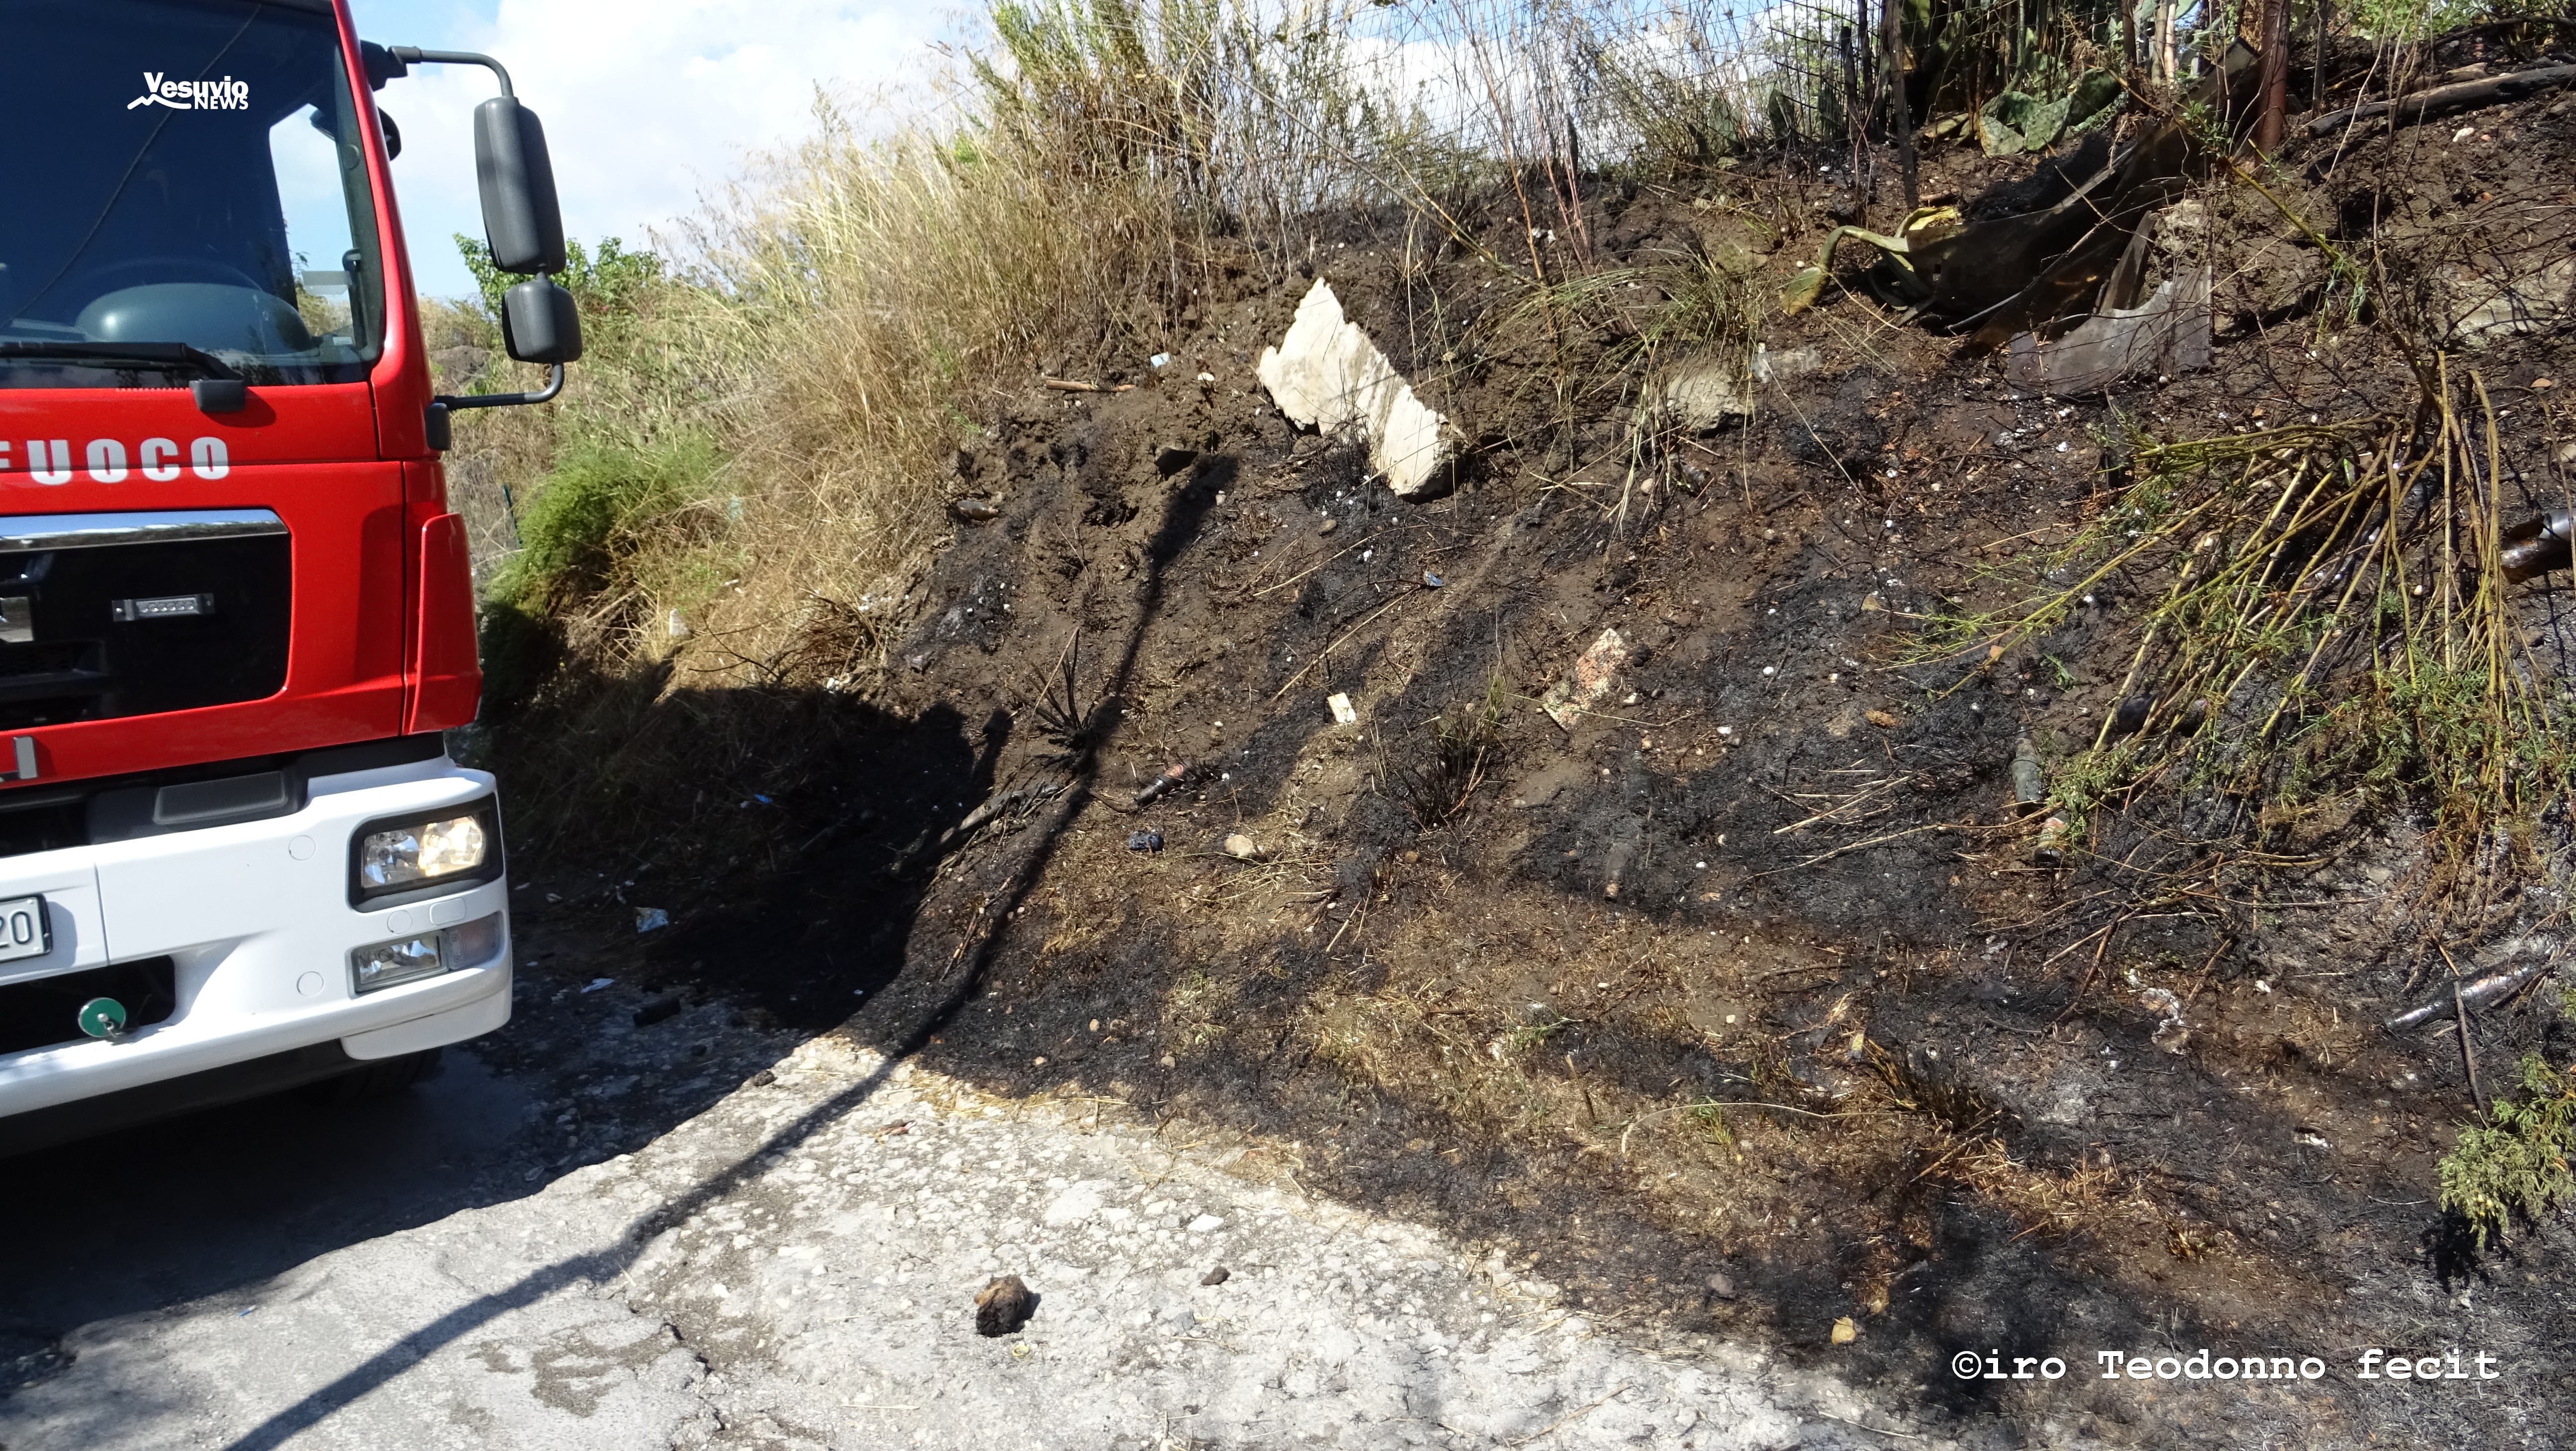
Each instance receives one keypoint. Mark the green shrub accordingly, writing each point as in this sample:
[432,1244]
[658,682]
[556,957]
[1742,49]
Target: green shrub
[2516,1163]
[593,513]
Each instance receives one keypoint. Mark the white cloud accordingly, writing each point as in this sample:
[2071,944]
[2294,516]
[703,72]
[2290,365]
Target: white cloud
[647,103]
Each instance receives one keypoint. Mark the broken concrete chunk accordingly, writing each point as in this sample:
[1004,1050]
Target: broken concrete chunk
[1713,392]
[1327,375]
[2484,309]
[2169,335]
[1589,680]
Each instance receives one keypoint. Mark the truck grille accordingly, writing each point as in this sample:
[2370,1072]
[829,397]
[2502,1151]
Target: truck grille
[107,615]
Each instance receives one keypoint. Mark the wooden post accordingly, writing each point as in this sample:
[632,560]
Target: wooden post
[1891,31]
[2274,87]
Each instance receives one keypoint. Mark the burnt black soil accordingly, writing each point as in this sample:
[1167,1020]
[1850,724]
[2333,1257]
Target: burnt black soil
[1774,870]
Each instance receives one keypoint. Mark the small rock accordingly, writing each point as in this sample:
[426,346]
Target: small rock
[666,1006]
[1171,458]
[1721,1287]
[1328,526]
[1207,1224]
[1144,841]
[763,1078]
[976,511]
[1217,1276]
[1003,1306]
[651,919]
[1242,848]
[1845,1331]
[2131,714]
[1885,720]
[1589,680]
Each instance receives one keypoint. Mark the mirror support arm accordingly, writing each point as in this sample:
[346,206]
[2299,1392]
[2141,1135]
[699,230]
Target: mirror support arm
[412,55]
[445,404]
[554,385]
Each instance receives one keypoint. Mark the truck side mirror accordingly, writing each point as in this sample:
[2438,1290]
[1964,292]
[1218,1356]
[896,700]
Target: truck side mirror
[539,323]
[522,222]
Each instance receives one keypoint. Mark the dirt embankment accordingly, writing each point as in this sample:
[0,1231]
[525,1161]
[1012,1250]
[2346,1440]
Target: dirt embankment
[1742,1002]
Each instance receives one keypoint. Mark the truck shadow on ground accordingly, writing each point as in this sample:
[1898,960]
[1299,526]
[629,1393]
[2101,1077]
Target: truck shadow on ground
[220,1202]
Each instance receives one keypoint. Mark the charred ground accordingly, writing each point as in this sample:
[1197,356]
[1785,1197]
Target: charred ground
[1740,1006]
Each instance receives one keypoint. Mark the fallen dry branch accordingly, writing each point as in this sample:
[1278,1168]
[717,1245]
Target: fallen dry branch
[2423,104]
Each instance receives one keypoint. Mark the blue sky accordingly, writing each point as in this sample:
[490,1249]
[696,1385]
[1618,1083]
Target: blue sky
[648,104]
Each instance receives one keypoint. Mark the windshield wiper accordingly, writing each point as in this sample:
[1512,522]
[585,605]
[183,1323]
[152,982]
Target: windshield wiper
[169,356]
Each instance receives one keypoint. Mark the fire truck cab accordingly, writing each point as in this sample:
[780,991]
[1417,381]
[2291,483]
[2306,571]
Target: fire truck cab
[236,610]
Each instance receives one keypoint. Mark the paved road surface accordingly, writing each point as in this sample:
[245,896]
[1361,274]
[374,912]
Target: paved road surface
[791,1264]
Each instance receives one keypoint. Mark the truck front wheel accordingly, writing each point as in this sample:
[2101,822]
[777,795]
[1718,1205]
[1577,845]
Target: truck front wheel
[381,1079]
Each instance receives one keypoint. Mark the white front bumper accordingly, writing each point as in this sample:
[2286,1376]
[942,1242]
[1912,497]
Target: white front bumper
[256,919]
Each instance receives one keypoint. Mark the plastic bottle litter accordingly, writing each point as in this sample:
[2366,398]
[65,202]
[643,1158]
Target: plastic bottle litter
[2029,778]
[1171,777]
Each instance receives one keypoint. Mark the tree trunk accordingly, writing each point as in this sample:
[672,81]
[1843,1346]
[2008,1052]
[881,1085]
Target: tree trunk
[1891,29]
[2273,87]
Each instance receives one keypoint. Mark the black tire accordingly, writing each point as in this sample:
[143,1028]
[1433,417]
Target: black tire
[383,1078]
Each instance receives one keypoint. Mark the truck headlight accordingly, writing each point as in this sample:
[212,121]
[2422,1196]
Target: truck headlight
[409,959]
[419,856]
[409,854]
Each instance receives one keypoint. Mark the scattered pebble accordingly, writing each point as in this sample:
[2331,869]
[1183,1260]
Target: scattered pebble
[1144,841]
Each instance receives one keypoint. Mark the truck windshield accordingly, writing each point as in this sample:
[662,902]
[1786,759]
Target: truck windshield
[182,172]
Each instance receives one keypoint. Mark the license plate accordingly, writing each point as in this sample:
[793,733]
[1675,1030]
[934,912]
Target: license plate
[23,932]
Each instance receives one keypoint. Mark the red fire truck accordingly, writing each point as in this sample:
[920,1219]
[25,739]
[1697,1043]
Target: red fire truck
[236,615]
